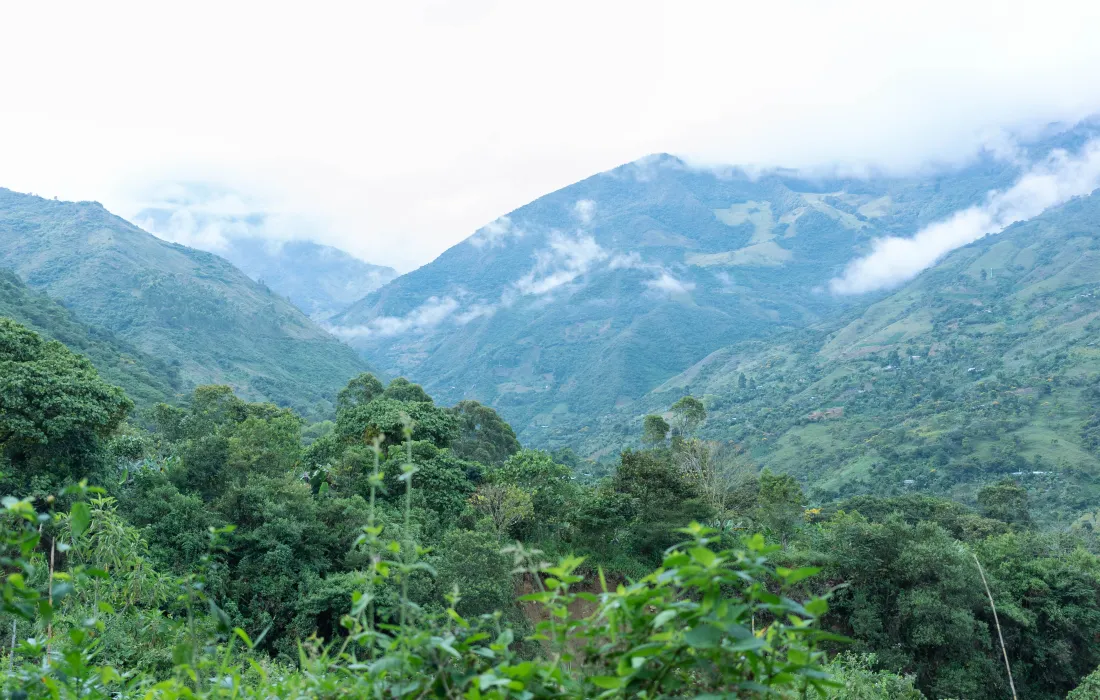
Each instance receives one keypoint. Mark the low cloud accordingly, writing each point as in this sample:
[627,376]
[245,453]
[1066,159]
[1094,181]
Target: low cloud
[631,260]
[475,311]
[210,217]
[566,259]
[668,284]
[1054,181]
[584,210]
[495,233]
[428,315]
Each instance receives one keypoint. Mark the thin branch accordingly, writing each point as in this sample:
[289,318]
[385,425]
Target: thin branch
[996,621]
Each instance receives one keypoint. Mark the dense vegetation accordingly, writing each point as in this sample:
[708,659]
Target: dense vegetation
[400,551]
[193,311]
[984,367]
[147,380]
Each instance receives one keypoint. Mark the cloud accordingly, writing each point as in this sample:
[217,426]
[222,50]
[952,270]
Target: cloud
[670,285]
[428,315]
[584,209]
[401,185]
[474,312]
[494,233]
[1057,179]
[210,216]
[566,259]
[626,261]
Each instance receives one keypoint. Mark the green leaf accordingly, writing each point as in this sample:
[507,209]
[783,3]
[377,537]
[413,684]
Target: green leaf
[244,636]
[81,518]
[817,607]
[705,636]
[803,573]
[663,617]
[60,590]
[749,644]
[703,555]
[607,682]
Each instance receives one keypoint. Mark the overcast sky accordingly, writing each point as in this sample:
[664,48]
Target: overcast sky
[395,129]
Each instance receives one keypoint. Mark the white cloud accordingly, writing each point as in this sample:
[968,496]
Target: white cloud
[1054,181]
[566,259]
[626,261]
[670,285]
[426,149]
[584,209]
[474,312]
[428,315]
[208,216]
[494,233]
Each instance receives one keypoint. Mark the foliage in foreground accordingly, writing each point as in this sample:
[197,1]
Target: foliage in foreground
[706,621]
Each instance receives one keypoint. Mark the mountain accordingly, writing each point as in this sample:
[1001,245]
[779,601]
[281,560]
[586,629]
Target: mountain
[590,297]
[318,279]
[146,379]
[986,365]
[191,309]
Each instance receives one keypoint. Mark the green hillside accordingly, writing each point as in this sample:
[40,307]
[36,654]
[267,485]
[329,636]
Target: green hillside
[319,279]
[192,309]
[590,297]
[146,379]
[985,366]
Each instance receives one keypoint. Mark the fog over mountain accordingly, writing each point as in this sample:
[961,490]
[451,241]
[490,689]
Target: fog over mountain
[407,129]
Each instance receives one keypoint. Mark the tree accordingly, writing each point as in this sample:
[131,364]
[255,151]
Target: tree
[402,389]
[861,680]
[471,561]
[912,596]
[549,483]
[741,381]
[779,503]
[687,415]
[1089,689]
[717,470]
[55,411]
[483,436]
[361,390]
[504,504]
[654,430]
[1006,501]
[387,418]
[661,499]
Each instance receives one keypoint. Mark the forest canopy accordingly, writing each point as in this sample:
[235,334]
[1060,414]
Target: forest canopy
[220,547]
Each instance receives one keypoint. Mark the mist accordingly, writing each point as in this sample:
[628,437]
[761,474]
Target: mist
[1053,181]
[397,130]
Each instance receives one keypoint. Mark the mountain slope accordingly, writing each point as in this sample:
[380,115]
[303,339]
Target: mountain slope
[320,280]
[146,379]
[591,296]
[985,366]
[192,309]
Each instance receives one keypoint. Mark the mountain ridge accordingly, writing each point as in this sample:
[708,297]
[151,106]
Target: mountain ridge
[583,284]
[181,304]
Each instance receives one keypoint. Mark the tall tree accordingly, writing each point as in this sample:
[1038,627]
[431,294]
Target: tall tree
[1006,501]
[55,411]
[483,436]
[654,430]
[687,415]
[360,390]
